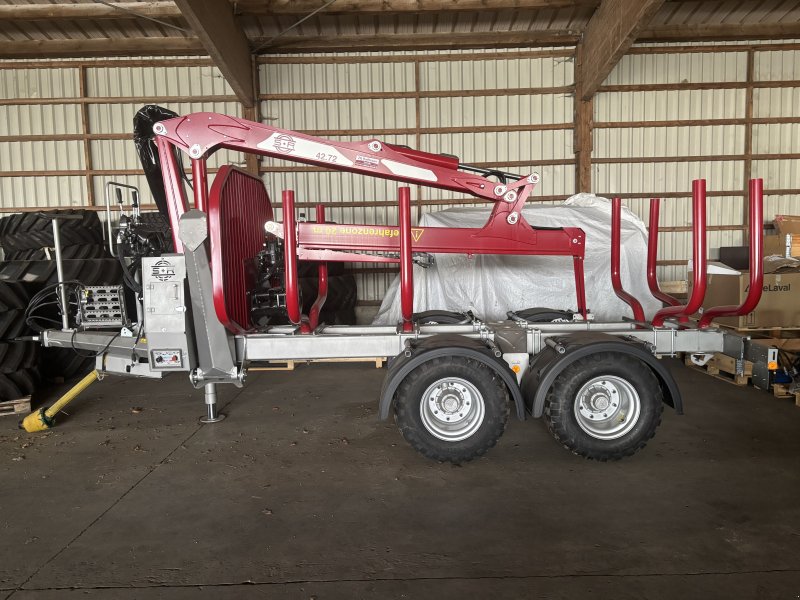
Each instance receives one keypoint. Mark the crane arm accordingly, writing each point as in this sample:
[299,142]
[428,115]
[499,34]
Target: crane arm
[201,134]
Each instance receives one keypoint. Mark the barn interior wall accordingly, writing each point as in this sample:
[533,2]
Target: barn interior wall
[664,116]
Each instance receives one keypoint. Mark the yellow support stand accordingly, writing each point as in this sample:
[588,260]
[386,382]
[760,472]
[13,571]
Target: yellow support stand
[42,419]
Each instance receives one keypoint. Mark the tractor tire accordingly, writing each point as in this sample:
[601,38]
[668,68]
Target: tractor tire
[18,355]
[29,231]
[13,295]
[100,271]
[604,406]
[67,252]
[9,390]
[18,360]
[452,409]
[65,364]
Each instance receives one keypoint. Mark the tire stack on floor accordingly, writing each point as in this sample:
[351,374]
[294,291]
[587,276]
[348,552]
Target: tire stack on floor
[19,361]
[29,266]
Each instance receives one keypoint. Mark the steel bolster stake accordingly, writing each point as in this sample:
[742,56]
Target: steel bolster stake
[756,211]
[406,264]
[616,280]
[699,260]
[290,257]
[322,276]
[652,256]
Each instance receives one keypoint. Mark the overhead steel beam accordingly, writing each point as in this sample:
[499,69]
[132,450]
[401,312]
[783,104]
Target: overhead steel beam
[225,42]
[608,35]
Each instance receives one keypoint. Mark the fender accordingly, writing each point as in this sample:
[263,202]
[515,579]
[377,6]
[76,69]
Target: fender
[446,345]
[549,364]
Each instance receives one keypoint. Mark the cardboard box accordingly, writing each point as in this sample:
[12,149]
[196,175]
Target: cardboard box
[776,244]
[787,224]
[779,305]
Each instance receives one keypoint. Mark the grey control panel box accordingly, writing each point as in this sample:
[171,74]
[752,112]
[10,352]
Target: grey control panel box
[166,314]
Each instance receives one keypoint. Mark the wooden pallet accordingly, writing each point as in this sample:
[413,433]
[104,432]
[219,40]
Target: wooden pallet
[16,407]
[724,367]
[780,390]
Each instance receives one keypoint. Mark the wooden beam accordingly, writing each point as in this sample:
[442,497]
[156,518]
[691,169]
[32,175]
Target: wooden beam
[89,10]
[584,117]
[732,31]
[303,7]
[144,46]
[421,41]
[225,42]
[253,113]
[162,9]
[100,47]
[610,32]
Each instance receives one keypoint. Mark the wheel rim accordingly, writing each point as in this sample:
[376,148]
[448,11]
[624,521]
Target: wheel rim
[452,409]
[607,407]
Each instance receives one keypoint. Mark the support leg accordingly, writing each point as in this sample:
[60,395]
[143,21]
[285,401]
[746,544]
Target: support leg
[212,413]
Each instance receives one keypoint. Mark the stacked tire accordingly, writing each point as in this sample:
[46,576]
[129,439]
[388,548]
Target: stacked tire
[18,360]
[28,236]
[28,267]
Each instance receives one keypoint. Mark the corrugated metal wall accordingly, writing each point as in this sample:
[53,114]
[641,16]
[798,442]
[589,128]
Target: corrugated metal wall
[52,120]
[662,120]
[663,117]
[426,103]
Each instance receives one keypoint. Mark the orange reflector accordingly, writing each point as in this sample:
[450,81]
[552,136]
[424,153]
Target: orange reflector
[772,365]
[517,368]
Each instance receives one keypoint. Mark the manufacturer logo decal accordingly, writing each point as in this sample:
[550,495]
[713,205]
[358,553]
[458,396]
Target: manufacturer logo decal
[163,270]
[283,143]
[366,161]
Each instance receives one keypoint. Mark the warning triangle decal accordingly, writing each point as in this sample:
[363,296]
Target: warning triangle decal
[416,233]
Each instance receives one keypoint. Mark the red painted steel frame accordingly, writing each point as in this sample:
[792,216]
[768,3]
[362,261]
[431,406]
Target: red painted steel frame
[406,264]
[200,184]
[506,231]
[699,259]
[322,285]
[290,256]
[235,239]
[200,134]
[756,210]
[173,186]
[616,279]
[652,257]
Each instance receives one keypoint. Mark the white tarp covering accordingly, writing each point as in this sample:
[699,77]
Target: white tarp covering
[491,285]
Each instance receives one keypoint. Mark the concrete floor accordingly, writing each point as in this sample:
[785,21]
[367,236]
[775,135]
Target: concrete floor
[303,493]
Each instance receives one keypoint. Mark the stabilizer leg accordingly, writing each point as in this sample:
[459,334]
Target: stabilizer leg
[212,413]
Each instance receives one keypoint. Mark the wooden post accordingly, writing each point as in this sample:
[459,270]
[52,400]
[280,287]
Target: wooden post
[583,118]
[253,113]
[87,144]
[748,144]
